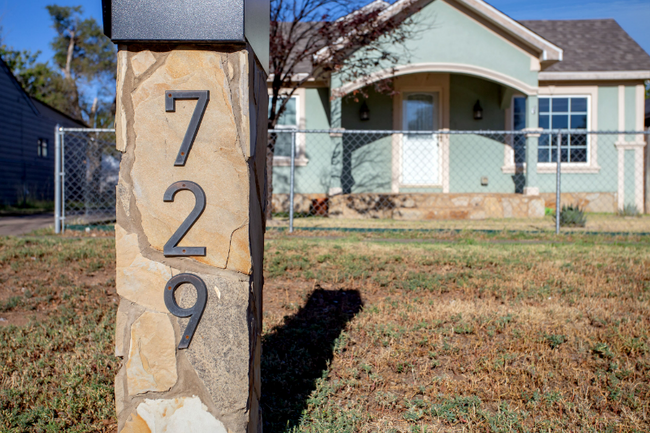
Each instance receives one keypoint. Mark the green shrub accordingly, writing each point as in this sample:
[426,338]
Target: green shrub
[572,216]
[629,210]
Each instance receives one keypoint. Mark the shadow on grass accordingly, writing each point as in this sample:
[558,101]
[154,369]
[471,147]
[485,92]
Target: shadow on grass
[295,354]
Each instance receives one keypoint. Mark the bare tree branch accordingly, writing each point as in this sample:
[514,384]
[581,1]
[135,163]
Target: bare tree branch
[312,39]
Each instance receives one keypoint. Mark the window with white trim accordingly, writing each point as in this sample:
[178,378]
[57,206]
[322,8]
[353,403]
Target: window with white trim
[555,112]
[288,120]
[563,113]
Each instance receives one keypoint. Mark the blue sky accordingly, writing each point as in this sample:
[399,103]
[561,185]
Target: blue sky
[26,24]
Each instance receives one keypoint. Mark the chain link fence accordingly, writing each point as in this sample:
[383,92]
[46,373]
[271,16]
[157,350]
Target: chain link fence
[440,180]
[87,168]
[461,180]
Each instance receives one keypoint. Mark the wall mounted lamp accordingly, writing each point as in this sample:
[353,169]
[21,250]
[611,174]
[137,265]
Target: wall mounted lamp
[364,112]
[478,111]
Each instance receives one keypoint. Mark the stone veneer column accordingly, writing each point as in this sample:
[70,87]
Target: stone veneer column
[532,141]
[214,384]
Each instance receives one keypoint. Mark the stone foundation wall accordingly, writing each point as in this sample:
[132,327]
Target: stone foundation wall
[591,201]
[419,206]
[302,202]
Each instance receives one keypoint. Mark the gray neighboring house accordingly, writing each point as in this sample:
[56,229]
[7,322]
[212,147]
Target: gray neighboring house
[647,113]
[26,142]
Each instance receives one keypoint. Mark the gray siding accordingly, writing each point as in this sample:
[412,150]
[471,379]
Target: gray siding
[22,122]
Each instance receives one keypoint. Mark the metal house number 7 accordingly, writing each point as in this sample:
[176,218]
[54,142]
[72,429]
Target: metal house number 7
[203,97]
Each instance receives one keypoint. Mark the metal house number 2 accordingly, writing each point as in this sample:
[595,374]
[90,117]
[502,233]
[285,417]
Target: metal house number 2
[171,248]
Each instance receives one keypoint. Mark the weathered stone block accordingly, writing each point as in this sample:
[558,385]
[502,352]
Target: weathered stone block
[138,279]
[186,414]
[152,357]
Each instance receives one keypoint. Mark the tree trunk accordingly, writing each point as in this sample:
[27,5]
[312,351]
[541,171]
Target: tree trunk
[72,86]
[68,59]
[92,119]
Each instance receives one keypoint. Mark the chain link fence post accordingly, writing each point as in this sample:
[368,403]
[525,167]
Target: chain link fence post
[63,179]
[57,180]
[558,184]
[292,180]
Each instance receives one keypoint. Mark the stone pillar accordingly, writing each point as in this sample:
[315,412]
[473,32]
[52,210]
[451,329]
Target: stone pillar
[335,186]
[532,140]
[191,123]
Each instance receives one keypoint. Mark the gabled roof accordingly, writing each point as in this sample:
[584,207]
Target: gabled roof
[5,68]
[57,115]
[401,9]
[568,49]
[39,108]
[592,45]
[548,51]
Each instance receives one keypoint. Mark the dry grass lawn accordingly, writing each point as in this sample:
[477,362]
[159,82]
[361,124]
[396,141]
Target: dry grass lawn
[365,333]
[596,222]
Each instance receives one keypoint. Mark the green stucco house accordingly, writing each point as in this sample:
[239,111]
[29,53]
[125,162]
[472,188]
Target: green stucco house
[476,69]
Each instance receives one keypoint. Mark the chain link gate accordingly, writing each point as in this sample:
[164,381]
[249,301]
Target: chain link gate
[87,167]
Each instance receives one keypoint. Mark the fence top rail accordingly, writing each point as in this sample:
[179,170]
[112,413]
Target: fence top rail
[86,129]
[389,131]
[454,132]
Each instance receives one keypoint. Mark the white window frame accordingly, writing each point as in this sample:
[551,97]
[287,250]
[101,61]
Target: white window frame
[301,155]
[568,165]
[591,93]
[591,166]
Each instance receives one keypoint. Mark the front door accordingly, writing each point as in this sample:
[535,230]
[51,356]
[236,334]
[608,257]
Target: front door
[420,152]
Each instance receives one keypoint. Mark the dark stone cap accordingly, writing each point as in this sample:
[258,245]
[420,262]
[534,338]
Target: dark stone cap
[198,21]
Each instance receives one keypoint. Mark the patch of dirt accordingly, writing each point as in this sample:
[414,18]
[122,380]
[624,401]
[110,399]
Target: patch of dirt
[37,276]
[21,318]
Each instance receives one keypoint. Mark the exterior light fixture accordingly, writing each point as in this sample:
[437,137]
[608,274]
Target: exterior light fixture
[364,112]
[478,111]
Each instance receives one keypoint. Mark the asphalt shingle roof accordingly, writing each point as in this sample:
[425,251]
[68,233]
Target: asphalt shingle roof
[591,45]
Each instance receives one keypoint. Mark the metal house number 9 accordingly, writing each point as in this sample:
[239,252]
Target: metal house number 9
[171,248]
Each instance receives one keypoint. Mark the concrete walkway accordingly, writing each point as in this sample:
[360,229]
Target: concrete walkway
[19,225]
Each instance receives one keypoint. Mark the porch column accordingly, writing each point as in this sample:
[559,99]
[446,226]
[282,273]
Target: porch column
[532,141]
[191,124]
[335,186]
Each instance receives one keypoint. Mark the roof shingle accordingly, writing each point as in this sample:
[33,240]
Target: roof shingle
[591,45]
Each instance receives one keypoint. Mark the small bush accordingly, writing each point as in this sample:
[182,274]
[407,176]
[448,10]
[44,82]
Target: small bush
[572,216]
[629,210]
